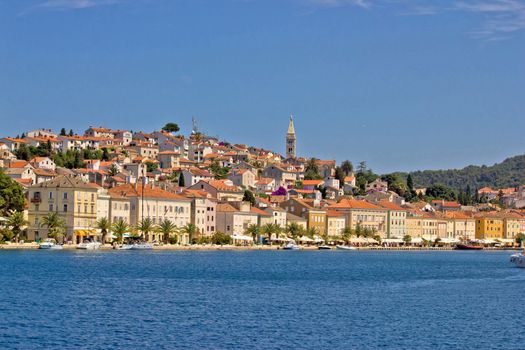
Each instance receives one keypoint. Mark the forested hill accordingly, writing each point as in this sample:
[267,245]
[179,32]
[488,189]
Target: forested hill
[509,173]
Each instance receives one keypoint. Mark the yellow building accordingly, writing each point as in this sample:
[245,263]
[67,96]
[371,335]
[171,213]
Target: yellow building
[335,223]
[396,223]
[414,224]
[489,226]
[511,224]
[460,225]
[315,216]
[363,214]
[74,200]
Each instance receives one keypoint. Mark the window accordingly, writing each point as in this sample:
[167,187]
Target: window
[50,195]
[65,195]
[65,208]
[50,207]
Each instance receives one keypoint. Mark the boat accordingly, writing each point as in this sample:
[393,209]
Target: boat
[89,245]
[50,243]
[291,246]
[141,246]
[125,247]
[468,247]
[324,247]
[346,247]
[518,259]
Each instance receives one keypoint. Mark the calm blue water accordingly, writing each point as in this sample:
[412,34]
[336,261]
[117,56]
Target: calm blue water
[260,300]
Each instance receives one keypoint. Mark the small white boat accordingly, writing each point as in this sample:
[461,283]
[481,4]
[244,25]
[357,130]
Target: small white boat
[141,246]
[50,243]
[518,259]
[291,245]
[89,245]
[125,247]
[346,247]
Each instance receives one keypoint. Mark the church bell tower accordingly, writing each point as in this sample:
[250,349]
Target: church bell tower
[290,140]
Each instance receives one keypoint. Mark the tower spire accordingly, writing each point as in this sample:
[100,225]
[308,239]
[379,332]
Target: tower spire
[290,140]
[291,129]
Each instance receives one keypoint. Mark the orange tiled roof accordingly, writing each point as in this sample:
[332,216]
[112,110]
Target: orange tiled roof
[389,205]
[312,182]
[18,164]
[346,203]
[135,190]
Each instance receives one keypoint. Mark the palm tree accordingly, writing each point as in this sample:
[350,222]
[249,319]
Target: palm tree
[104,225]
[347,234]
[55,225]
[252,230]
[191,230]
[270,228]
[311,232]
[167,228]
[146,226]
[16,221]
[294,229]
[119,228]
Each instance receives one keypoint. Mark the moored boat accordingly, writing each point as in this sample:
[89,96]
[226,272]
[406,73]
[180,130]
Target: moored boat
[468,247]
[324,247]
[141,246]
[89,245]
[50,243]
[291,246]
[346,247]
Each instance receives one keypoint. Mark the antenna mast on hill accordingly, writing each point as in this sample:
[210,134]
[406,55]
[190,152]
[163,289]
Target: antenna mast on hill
[194,128]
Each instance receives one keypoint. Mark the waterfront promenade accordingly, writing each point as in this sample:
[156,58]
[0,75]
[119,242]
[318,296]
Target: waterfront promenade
[201,247]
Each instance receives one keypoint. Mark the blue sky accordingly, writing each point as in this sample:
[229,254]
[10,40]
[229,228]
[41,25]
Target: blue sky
[402,84]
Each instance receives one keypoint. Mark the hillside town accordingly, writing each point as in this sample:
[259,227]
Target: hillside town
[165,188]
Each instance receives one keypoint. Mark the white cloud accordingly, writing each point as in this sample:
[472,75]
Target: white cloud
[73,4]
[339,3]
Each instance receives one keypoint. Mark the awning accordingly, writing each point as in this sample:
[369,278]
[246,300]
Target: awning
[305,239]
[416,240]
[242,238]
[318,239]
[449,240]
[392,240]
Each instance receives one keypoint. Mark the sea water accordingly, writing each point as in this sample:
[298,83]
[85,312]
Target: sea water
[260,300]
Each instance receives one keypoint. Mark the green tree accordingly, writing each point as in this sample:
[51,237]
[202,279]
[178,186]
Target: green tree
[119,228]
[218,171]
[269,229]
[441,192]
[11,195]
[311,232]
[407,239]
[104,225]
[347,167]
[191,230]
[167,228]
[294,230]
[171,127]
[410,182]
[55,225]
[113,170]
[252,230]
[151,166]
[347,234]
[146,226]
[249,197]
[62,132]
[311,170]
[181,180]
[221,238]
[16,221]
